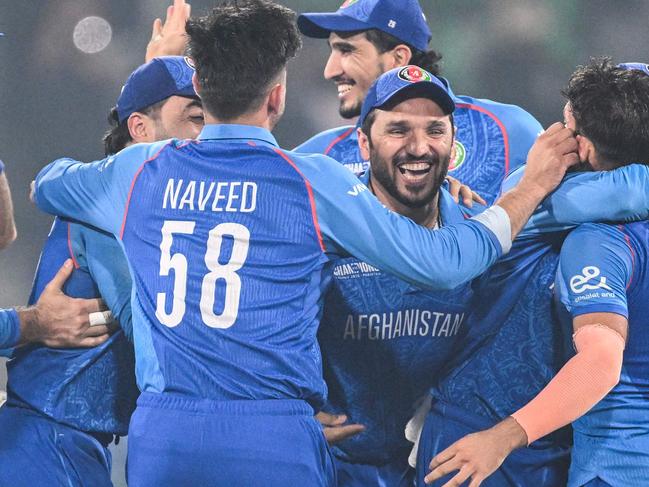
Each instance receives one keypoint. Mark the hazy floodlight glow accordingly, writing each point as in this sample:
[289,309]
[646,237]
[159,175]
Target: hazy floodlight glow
[92,35]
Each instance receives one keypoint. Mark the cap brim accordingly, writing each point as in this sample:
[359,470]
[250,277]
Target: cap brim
[187,91]
[320,25]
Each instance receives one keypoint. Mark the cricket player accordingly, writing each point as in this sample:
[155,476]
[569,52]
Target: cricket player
[227,238]
[370,37]
[601,288]
[65,406]
[384,341]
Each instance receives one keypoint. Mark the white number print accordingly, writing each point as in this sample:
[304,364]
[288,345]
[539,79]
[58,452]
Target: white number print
[177,262]
[228,272]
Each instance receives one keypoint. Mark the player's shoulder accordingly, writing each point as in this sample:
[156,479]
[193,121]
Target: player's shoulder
[508,114]
[320,143]
[590,240]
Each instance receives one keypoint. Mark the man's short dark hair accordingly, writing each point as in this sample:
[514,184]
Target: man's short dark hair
[384,42]
[118,136]
[611,108]
[239,49]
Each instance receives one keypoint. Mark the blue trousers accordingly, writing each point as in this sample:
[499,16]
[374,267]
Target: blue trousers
[395,474]
[175,441]
[36,451]
[541,464]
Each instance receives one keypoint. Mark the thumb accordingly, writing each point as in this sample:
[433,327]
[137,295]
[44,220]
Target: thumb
[157,29]
[57,282]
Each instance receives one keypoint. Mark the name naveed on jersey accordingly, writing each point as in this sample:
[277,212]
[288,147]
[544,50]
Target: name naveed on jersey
[230,196]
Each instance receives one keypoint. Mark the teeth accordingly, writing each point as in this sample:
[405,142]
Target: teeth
[415,166]
[343,89]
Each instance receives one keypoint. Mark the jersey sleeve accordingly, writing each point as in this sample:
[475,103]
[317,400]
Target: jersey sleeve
[9,331]
[591,197]
[593,278]
[319,143]
[95,193]
[352,220]
[102,256]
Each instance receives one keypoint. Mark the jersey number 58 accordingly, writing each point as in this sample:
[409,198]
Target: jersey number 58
[228,272]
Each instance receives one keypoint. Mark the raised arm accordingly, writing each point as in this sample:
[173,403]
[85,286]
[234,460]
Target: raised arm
[621,195]
[170,38]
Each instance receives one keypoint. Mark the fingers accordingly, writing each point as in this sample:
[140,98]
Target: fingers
[58,281]
[553,129]
[339,433]
[97,330]
[90,342]
[479,199]
[442,457]
[170,14]
[328,419]
[467,196]
[443,469]
[476,480]
[90,305]
[459,479]
[156,31]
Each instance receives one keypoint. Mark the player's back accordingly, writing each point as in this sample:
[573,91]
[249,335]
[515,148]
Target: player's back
[227,260]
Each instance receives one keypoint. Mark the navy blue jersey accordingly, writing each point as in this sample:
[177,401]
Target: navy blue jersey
[383,342]
[605,269]
[492,139]
[227,238]
[92,389]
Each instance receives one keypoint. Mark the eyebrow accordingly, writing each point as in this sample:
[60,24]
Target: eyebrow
[341,45]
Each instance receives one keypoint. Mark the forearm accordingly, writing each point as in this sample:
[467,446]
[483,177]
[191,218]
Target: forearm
[519,203]
[7,223]
[578,386]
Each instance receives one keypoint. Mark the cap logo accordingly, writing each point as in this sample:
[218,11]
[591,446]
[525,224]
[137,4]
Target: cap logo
[348,3]
[414,74]
[392,24]
[190,62]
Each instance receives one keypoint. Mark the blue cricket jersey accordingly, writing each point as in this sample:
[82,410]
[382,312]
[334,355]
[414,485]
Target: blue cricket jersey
[383,342]
[92,389]
[492,139]
[227,238]
[605,269]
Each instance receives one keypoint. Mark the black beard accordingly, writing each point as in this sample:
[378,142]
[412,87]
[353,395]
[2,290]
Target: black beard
[380,173]
[350,112]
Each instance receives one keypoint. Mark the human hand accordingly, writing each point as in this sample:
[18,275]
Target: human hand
[478,455]
[335,429]
[63,322]
[170,38]
[459,190]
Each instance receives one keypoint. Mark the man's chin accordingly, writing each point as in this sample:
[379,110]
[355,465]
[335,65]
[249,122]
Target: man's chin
[350,111]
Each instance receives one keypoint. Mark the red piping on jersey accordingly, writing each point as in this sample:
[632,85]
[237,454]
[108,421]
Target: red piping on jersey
[74,261]
[628,242]
[137,174]
[311,198]
[498,122]
[338,139]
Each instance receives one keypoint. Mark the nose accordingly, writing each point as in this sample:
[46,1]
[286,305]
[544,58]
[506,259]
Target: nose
[418,145]
[333,68]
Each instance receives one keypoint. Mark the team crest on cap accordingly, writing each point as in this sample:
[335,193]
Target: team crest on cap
[414,74]
[348,3]
[458,156]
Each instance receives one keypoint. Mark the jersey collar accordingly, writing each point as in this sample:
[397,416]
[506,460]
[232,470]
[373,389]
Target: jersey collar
[237,132]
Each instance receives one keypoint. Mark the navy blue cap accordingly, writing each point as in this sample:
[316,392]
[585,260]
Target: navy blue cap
[403,19]
[639,66]
[155,81]
[402,80]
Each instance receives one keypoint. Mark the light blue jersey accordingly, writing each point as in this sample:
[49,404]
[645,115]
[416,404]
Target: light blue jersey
[9,330]
[492,139]
[611,275]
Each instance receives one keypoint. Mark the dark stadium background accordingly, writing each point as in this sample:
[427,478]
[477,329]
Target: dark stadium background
[54,98]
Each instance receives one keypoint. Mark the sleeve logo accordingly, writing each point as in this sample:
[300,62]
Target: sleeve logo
[582,282]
